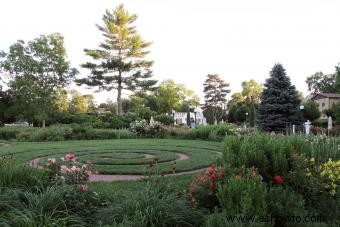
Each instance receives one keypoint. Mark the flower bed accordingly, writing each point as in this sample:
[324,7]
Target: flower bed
[265,175]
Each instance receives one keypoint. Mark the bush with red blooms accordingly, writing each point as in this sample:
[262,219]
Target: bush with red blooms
[278,180]
[202,190]
[67,170]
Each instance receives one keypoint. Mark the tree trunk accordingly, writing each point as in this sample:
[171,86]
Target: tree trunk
[43,123]
[119,98]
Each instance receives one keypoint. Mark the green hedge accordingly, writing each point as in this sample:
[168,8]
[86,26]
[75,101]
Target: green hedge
[74,132]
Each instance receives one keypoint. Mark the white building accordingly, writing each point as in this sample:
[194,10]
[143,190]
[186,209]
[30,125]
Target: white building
[181,118]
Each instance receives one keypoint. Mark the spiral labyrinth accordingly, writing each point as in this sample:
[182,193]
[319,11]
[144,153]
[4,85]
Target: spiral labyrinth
[122,156]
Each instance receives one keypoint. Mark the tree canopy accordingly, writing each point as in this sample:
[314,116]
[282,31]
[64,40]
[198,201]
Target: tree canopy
[36,70]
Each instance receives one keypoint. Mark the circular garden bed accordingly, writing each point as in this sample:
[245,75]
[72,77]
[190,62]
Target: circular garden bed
[130,157]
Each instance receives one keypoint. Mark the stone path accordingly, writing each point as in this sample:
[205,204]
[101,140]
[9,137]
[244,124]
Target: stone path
[126,177]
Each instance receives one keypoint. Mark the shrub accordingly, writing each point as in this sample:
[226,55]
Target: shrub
[156,203]
[122,121]
[321,123]
[243,193]
[140,128]
[335,131]
[47,134]
[284,202]
[315,130]
[20,176]
[269,154]
[202,189]
[164,119]
[8,133]
[144,129]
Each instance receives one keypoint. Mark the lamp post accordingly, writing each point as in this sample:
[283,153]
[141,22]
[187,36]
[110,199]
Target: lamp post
[245,124]
[302,107]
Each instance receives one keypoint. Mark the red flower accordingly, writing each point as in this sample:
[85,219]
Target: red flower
[219,175]
[278,180]
[70,157]
[211,185]
[213,177]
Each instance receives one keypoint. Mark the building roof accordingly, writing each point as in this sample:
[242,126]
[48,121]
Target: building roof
[327,95]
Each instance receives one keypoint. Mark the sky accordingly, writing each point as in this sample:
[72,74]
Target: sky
[237,39]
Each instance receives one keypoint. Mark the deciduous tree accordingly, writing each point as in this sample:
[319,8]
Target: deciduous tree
[37,69]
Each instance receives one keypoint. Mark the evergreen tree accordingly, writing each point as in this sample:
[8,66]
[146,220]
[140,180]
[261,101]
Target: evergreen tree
[120,60]
[280,102]
[311,111]
[215,90]
[337,79]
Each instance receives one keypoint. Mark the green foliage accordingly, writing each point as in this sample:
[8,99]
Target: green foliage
[120,59]
[311,111]
[285,202]
[75,131]
[215,90]
[251,91]
[320,82]
[156,203]
[164,119]
[336,112]
[214,113]
[20,176]
[279,102]
[207,132]
[244,194]
[37,69]
[119,121]
[270,155]
[144,129]
[170,96]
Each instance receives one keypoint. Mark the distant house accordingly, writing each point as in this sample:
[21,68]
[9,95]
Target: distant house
[326,100]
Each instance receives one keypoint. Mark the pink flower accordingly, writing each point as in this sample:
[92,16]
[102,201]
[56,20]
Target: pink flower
[219,175]
[83,187]
[87,173]
[70,157]
[64,169]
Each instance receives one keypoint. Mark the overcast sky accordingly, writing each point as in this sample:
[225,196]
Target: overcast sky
[238,39]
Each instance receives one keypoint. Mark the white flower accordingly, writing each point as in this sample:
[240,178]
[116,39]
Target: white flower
[52,160]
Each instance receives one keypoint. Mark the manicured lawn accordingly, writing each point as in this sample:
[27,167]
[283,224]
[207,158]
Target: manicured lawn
[126,156]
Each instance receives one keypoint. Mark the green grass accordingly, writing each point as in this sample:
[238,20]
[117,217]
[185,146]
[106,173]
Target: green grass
[182,182]
[122,156]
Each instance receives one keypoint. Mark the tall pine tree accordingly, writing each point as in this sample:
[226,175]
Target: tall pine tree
[216,91]
[120,60]
[280,102]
